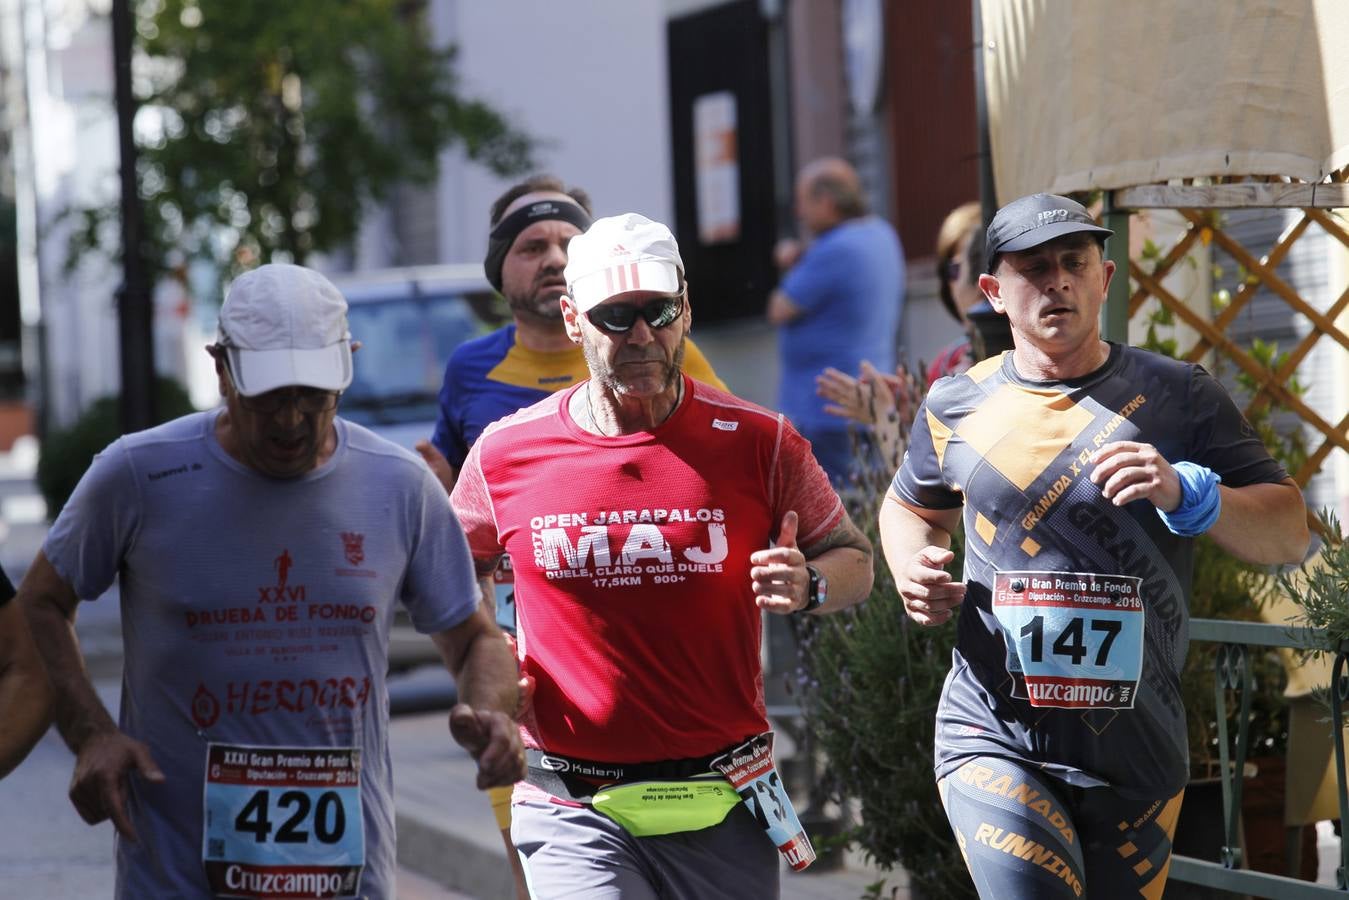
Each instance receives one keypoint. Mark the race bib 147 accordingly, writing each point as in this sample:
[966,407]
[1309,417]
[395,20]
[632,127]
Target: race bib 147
[1076,638]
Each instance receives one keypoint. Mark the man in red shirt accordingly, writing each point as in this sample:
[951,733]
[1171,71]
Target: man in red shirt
[650,519]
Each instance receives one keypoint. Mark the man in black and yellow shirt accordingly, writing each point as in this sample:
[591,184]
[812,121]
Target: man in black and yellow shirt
[1084,470]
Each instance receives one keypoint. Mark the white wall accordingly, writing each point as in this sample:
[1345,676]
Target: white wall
[71,133]
[67,158]
[586,77]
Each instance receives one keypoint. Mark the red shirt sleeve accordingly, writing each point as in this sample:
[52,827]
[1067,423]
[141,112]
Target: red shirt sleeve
[797,482]
[472,503]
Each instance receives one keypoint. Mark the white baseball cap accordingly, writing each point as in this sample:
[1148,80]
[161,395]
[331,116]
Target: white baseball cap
[284,326]
[619,255]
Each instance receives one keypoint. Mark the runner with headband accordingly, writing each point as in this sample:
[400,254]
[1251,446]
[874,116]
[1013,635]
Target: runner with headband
[521,363]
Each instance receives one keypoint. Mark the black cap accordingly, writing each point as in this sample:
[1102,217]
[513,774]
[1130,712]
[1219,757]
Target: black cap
[1031,221]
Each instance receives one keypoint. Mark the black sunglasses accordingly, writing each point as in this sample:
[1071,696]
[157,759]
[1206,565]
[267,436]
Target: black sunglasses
[620,317]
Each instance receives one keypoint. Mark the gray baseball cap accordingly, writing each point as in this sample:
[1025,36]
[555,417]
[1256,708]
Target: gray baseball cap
[1031,221]
[284,325]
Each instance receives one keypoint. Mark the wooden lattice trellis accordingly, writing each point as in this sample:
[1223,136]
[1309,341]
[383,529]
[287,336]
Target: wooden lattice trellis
[1195,204]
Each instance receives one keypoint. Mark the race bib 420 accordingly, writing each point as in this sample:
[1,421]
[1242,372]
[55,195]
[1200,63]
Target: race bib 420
[283,821]
[1076,638]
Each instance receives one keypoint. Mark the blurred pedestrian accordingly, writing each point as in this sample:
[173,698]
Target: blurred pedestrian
[25,694]
[838,303]
[884,401]
[959,248]
[261,549]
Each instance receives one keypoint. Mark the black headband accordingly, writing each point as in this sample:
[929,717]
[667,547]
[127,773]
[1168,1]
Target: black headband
[503,236]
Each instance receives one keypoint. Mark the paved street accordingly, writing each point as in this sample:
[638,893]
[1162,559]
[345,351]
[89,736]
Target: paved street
[47,852]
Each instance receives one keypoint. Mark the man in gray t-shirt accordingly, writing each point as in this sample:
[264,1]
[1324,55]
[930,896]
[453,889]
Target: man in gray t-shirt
[262,548]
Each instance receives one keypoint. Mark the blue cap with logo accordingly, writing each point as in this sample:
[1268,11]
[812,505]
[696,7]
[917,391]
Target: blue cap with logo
[1031,221]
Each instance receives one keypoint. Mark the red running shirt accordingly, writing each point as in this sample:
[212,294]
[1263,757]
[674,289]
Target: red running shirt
[631,555]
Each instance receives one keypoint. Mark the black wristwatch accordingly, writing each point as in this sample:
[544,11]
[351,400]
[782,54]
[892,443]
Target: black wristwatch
[817,591]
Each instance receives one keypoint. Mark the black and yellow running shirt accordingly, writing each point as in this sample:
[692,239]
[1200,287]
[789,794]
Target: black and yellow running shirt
[1075,623]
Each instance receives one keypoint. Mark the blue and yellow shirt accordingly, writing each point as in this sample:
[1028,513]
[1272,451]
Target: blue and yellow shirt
[493,376]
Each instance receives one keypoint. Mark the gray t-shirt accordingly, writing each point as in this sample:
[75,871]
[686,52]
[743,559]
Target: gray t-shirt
[255,618]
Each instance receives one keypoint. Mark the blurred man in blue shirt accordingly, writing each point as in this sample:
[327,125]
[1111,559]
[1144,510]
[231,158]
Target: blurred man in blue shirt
[838,303]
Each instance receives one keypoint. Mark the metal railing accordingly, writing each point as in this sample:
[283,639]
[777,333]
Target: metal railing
[1233,673]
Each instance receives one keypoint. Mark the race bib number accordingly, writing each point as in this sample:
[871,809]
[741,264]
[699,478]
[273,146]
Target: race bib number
[1076,638]
[750,770]
[283,821]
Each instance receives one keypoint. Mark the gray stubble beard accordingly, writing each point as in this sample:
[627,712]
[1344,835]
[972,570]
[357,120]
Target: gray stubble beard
[601,373]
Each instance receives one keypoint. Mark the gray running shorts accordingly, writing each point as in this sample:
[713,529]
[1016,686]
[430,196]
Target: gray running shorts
[575,853]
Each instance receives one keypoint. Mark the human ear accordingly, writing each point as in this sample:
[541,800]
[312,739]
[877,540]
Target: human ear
[571,318]
[992,289]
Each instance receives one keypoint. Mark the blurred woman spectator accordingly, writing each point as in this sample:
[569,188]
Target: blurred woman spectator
[958,284]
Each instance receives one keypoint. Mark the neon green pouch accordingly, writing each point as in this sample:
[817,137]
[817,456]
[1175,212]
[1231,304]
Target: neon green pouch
[649,808]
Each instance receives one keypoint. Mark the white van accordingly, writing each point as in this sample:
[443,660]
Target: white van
[409,321]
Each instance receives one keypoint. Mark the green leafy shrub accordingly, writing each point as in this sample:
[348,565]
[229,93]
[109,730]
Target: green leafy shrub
[868,680]
[1224,587]
[66,453]
[1322,584]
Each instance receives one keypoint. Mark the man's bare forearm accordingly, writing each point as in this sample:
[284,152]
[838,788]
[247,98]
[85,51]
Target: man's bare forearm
[478,656]
[904,532]
[489,677]
[25,693]
[1264,524]
[844,557]
[49,606]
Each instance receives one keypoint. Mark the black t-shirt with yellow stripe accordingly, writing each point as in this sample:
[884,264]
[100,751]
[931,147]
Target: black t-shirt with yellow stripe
[1075,624]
